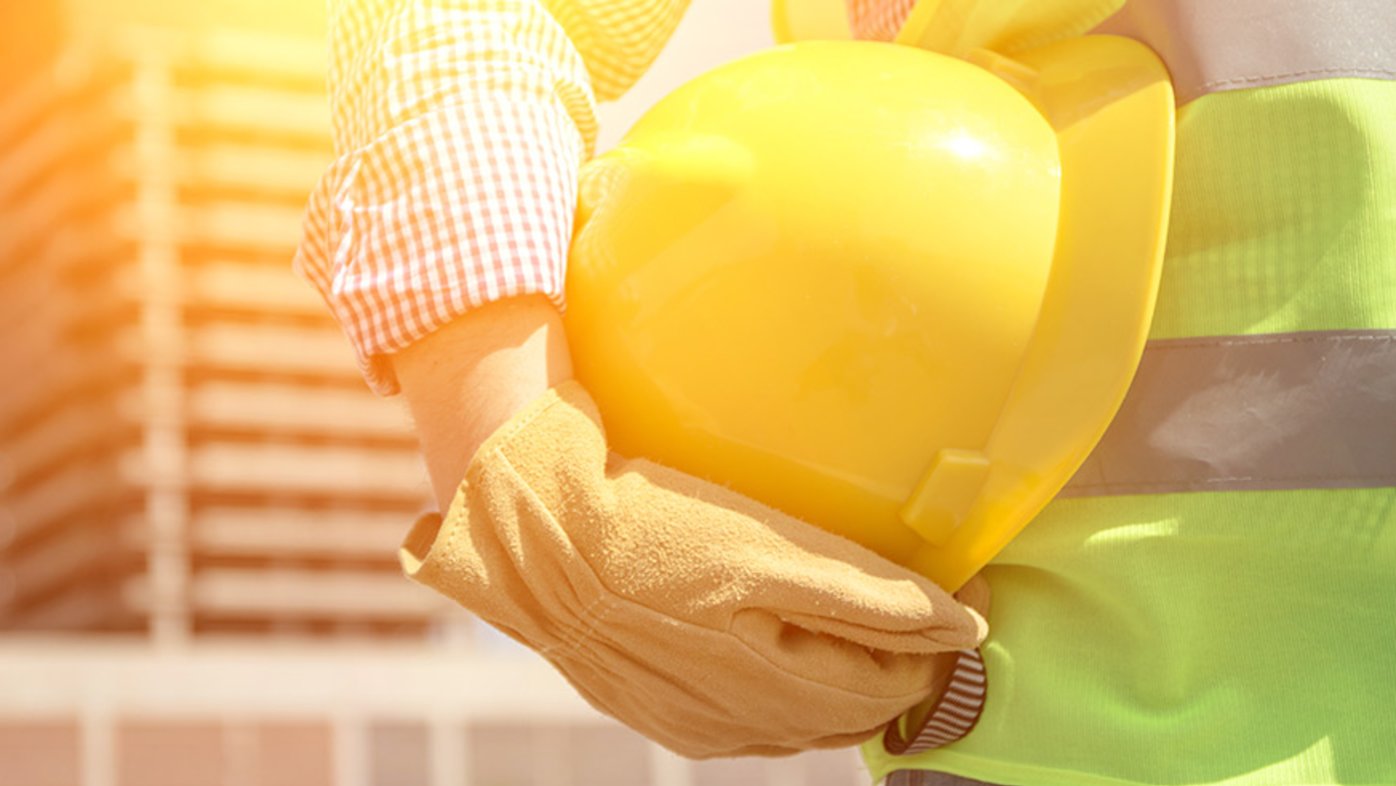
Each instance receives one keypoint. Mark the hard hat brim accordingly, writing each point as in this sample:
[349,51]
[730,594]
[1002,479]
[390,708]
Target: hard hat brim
[1112,105]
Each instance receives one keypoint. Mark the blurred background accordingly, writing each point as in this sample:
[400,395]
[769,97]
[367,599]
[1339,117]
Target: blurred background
[200,502]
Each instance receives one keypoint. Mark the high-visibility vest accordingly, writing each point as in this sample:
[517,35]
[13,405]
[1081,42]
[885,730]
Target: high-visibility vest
[1213,598]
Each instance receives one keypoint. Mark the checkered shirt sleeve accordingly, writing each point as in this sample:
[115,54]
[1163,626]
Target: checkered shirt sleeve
[878,20]
[459,128]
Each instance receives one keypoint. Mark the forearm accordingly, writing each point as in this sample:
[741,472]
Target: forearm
[465,380]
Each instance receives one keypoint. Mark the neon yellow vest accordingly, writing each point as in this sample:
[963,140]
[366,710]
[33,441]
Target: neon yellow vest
[1240,637]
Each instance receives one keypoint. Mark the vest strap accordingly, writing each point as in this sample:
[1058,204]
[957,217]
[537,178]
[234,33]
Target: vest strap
[954,717]
[1252,413]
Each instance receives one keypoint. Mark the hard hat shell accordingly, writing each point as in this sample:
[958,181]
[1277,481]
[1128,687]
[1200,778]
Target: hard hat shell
[809,20]
[894,293]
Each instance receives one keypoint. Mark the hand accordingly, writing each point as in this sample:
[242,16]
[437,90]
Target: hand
[706,621]
[699,617]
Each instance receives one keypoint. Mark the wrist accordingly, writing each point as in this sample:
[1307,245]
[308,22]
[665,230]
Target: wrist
[465,380]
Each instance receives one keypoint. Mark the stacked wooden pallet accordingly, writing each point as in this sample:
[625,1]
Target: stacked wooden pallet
[185,443]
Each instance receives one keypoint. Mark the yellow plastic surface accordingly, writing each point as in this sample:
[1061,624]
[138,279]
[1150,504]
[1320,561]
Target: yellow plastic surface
[959,27]
[885,290]
[809,20]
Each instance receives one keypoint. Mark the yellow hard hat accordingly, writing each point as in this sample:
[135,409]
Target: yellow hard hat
[809,20]
[897,294]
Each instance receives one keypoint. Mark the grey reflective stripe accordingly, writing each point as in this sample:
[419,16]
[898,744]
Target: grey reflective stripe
[1288,411]
[917,778]
[1213,45]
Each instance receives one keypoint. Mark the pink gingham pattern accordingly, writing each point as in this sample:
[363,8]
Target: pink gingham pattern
[878,20]
[460,126]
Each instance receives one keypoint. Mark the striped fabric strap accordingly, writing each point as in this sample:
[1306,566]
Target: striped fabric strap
[954,717]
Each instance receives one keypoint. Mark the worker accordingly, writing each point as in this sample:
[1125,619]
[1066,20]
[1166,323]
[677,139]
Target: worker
[1210,603]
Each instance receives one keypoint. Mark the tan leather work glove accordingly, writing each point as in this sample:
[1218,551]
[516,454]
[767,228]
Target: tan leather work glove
[706,621]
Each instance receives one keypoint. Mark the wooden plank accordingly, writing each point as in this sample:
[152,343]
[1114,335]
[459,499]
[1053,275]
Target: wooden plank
[43,306]
[245,110]
[46,144]
[251,226]
[36,332]
[77,551]
[29,100]
[291,173]
[61,369]
[335,471]
[88,607]
[69,431]
[256,54]
[262,54]
[25,105]
[249,284]
[261,350]
[64,217]
[28,292]
[271,349]
[9,531]
[238,285]
[67,337]
[275,593]
[242,225]
[83,247]
[268,226]
[278,173]
[255,109]
[275,530]
[45,374]
[30,222]
[229,285]
[275,408]
[77,489]
[69,127]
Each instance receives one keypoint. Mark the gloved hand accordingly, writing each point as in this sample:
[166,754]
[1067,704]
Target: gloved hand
[701,618]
